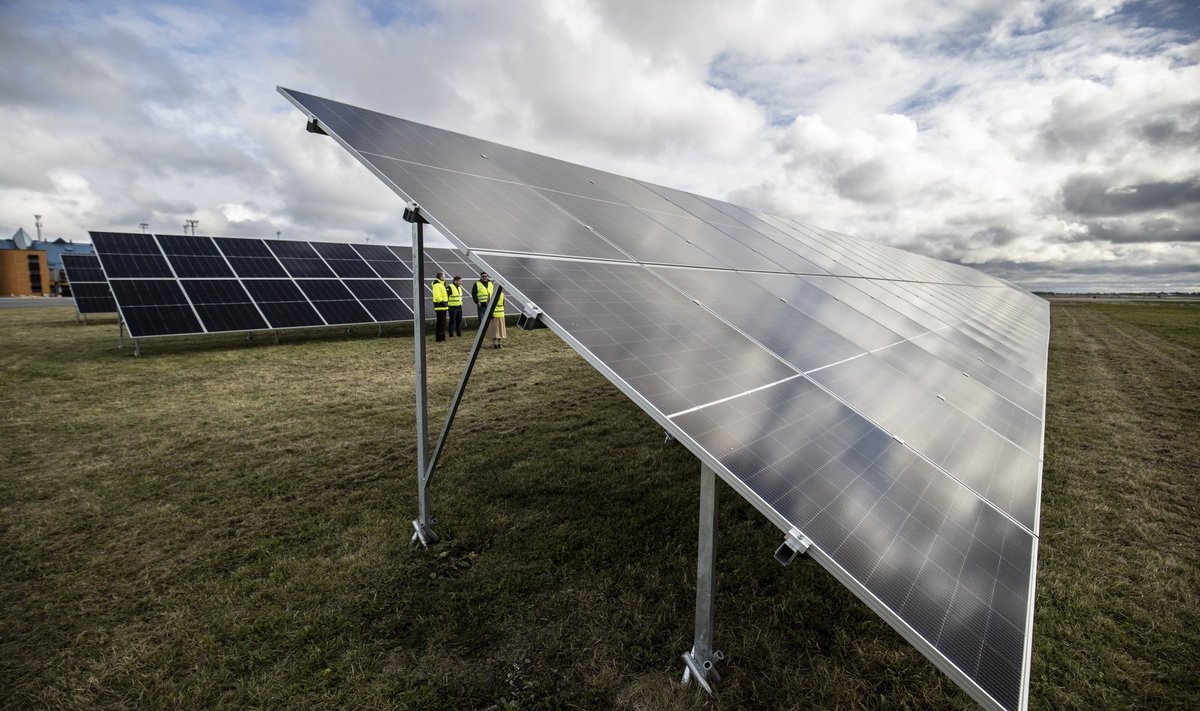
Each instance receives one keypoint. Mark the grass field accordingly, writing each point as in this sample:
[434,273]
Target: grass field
[223,524]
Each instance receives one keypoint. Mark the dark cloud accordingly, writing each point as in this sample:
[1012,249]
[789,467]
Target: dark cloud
[996,234]
[1096,196]
[1162,229]
[1076,126]
[1182,129]
[870,182]
[1094,276]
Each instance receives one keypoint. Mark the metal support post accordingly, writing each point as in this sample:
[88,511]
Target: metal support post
[480,334]
[120,332]
[700,663]
[137,348]
[423,525]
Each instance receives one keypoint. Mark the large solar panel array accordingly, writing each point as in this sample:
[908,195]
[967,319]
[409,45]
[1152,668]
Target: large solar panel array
[887,405]
[173,285]
[89,288]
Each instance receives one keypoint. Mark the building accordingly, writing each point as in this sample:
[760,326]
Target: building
[30,267]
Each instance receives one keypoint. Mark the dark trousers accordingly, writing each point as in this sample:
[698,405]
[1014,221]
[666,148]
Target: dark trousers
[439,331]
[480,306]
[455,320]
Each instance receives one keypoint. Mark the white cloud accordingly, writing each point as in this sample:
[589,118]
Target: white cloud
[953,128]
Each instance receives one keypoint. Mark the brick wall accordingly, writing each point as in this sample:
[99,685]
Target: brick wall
[15,272]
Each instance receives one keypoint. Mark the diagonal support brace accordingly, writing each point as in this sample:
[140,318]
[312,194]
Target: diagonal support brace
[480,335]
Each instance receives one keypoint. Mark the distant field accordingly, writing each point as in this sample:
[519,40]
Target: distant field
[225,524]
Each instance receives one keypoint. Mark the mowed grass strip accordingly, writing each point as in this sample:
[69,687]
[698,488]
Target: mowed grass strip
[225,524]
[1118,616]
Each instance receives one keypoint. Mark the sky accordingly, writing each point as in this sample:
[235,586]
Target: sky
[1055,144]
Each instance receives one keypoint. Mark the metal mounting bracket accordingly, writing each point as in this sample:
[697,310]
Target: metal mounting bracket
[530,319]
[795,545]
[704,671]
[423,534]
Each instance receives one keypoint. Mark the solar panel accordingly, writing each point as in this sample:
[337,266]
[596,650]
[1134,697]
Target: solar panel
[198,284]
[89,288]
[887,405]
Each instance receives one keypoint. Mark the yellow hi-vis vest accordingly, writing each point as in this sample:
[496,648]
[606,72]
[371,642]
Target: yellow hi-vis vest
[482,292]
[439,295]
[455,294]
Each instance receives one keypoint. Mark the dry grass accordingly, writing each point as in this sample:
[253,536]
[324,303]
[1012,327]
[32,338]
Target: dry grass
[225,524]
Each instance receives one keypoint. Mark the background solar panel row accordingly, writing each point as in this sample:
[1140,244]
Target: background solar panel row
[170,285]
[89,288]
[888,405]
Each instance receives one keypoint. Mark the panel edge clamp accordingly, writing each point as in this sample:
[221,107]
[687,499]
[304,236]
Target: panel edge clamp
[314,126]
[530,318]
[412,213]
[795,545]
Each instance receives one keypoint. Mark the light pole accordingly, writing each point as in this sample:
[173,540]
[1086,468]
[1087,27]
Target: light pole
[193,223]
[37,222]
[144,225]
[277,234]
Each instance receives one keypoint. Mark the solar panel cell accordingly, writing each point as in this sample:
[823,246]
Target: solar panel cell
[344,261]
[154,308]
[384,262]
[223,305]
[194,257]
[250,258]
[126,255]
[335,302]
[300,260]
[379,300]
[283,304]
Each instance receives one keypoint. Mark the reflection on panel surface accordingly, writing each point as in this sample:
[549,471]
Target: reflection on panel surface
[668,348]
[992,466]
[955,570]
[740,300]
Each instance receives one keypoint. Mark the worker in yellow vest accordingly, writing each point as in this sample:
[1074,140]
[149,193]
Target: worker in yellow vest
[441,305]
[496,330]
[480,293]
[455,291]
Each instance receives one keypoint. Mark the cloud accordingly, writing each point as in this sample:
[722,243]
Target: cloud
[1094,195]
[1013,136]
